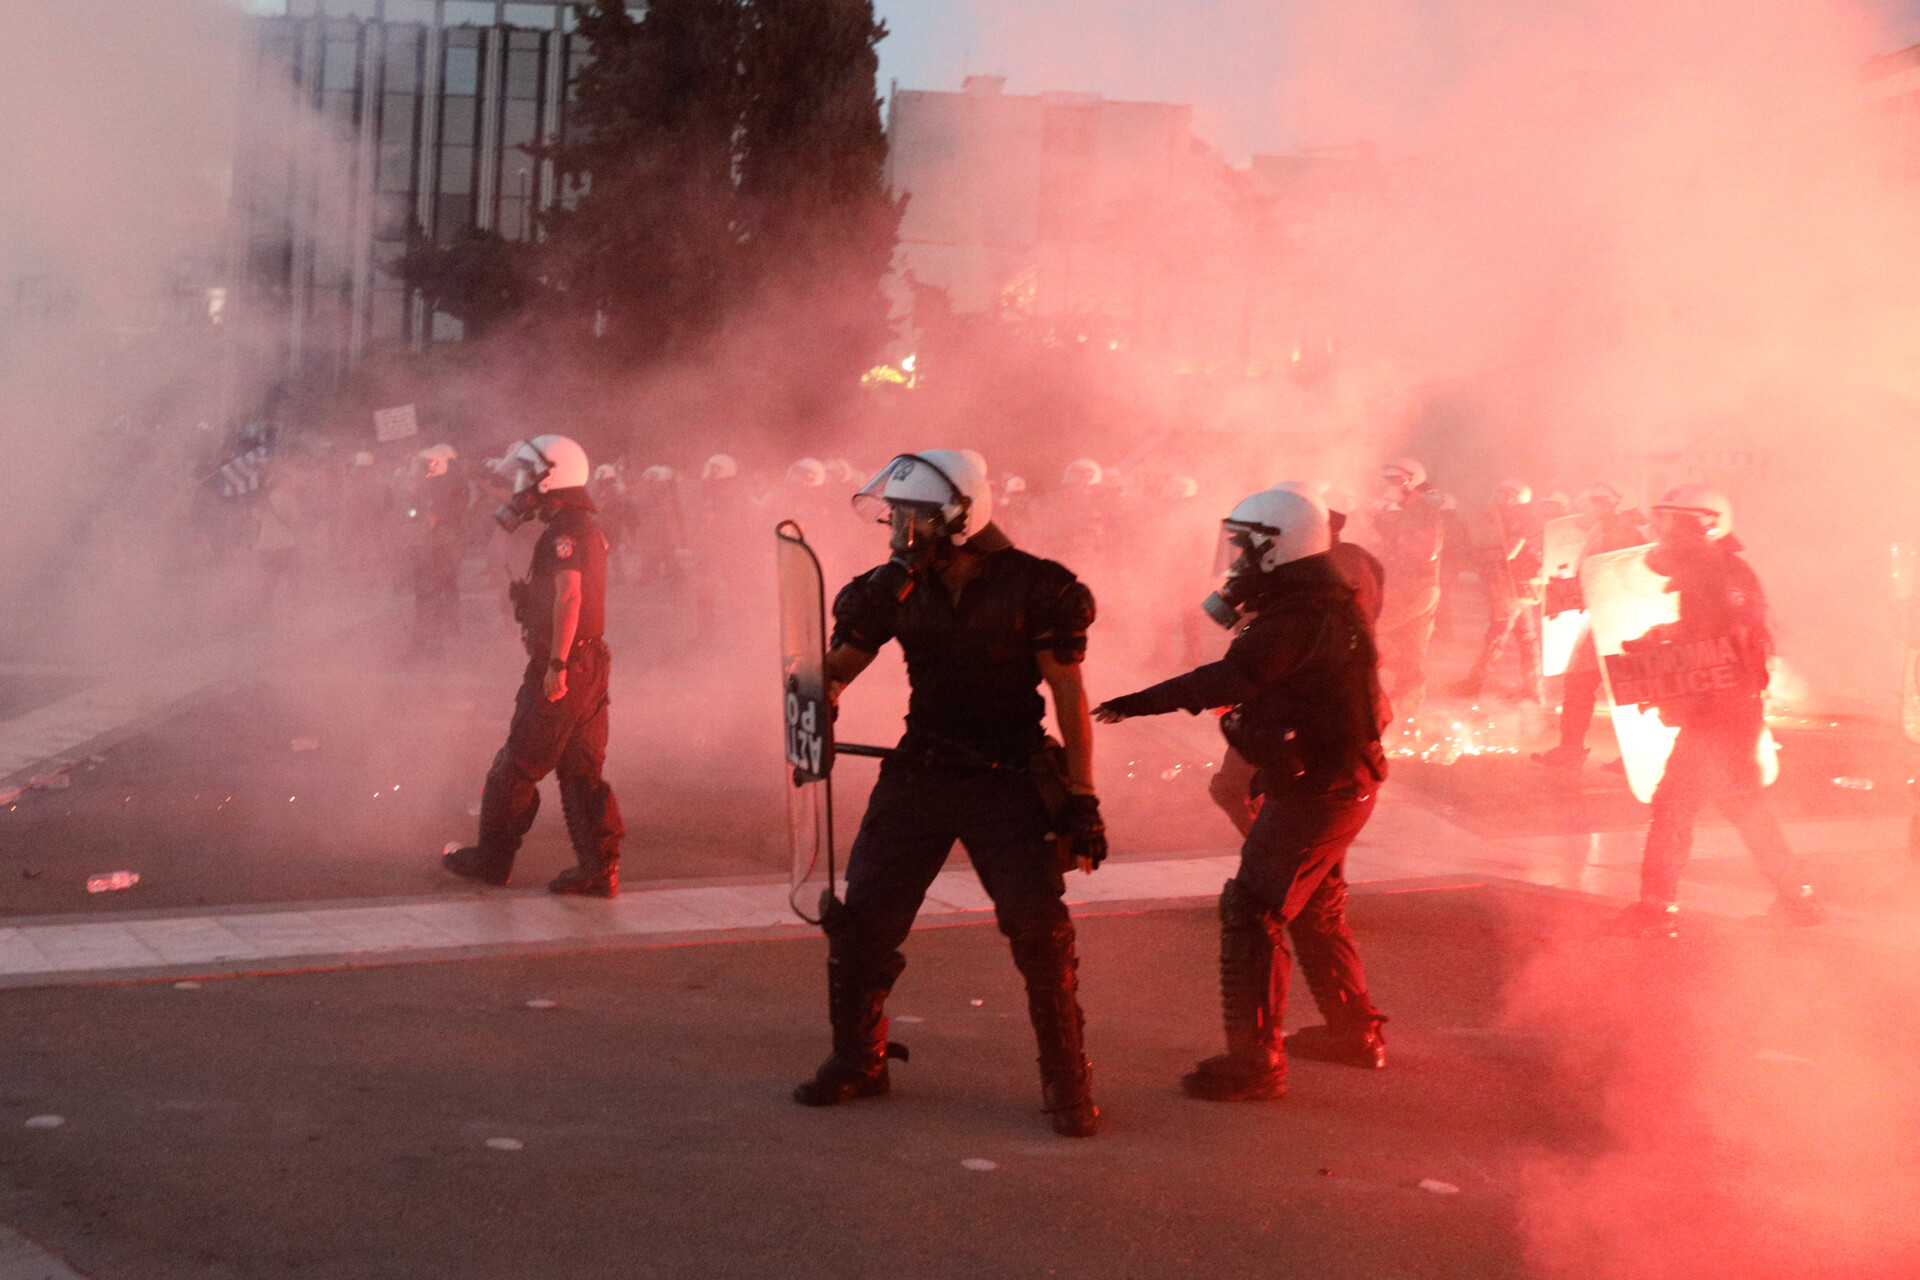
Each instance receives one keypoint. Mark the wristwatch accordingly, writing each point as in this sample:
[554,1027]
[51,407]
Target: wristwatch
[556,664]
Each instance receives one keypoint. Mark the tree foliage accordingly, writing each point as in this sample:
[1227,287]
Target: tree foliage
[725,162]
[477,279]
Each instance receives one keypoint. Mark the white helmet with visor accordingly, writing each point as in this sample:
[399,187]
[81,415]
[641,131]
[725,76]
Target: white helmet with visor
[938,493]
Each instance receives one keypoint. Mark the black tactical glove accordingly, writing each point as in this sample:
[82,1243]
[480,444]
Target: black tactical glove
[1125,707]
[1086,829]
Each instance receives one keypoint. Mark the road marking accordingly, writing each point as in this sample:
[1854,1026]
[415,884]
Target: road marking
[22,1259]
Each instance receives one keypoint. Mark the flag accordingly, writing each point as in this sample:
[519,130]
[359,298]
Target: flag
[244,473]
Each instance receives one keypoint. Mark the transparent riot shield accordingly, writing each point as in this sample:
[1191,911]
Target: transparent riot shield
[1563,610]
[1625,600]
[808,718]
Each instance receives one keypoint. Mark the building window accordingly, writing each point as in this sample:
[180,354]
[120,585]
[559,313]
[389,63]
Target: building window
[410,11]
[342,66]
[402,62]
[389,319]
[463,63]
[538,17]
[470,13]
[523,65]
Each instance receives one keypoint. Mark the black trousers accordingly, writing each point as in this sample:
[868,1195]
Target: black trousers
[1293,863]
[568,737]
[913,818]
[1719,759]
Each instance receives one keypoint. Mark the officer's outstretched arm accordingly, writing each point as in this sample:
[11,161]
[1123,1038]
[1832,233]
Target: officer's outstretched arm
[844,662]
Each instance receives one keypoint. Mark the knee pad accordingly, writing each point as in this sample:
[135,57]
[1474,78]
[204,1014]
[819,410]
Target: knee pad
[1042,948]
[1239,909]
[1323,913]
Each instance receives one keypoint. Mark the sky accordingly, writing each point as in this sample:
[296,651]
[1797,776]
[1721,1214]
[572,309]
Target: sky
[1228,58]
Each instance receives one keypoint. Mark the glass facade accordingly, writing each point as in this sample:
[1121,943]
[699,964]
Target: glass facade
[413,118]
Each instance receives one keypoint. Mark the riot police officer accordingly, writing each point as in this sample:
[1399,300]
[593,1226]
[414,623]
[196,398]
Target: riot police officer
[1508,558]
[560,714]
[1718,746]
[982,625]
[1409,520]
[1306,710]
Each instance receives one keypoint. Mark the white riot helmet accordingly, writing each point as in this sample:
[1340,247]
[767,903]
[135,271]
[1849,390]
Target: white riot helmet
[1274,527]
[543,464]
[657,473]
[1404,471]
[1601,496]
[1269,529]
[839,471]
[809,473]
[606,471]
[1013,485]
[1513,493]
[1082,473]
[720,466]
[1703,503]
[435,460]
[948,487]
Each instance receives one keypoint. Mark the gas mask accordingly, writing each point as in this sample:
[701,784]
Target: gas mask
[918,544]
[1238,558]
[517,510]
[523,475]
[1224,605]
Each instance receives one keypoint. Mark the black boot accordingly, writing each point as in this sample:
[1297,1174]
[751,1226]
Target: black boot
[1645,920]
[473,864]
[1350,1036]
[1254,1065]
[856,996]
[584,883]
[1797,907]
[595,829]
[1051,969]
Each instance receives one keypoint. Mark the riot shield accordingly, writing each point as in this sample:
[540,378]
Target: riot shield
[1563,611]
[1625,601]
[808,717]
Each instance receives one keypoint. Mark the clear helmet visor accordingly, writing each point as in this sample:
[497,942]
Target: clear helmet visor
[520,472]
[1239,551]
[870,503]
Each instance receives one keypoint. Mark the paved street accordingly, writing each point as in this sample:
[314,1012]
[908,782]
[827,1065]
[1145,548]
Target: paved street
[296,1047]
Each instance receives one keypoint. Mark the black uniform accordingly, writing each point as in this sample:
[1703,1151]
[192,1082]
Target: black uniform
[1307,712]
[1413,538]
[964,773]
[1719,738]
[568,737]
[1512,594]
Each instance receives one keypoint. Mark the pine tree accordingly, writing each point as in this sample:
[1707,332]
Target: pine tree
[727,163]
[642,250]
[820,227]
